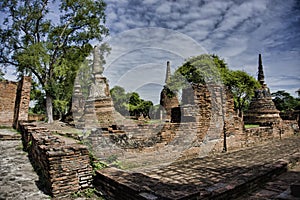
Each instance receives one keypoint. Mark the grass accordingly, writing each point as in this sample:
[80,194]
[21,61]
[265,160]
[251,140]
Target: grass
[251,126]
[6,127]
[90,193]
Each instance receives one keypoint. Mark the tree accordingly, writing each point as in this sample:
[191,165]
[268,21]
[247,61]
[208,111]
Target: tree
[285,102]
[242,86]
[120,99]
[298,92]
[1,75]
[49,49]
[210,68]
[129,103]
[39,99]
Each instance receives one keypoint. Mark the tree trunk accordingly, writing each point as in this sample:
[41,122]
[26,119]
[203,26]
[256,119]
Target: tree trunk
[49,108]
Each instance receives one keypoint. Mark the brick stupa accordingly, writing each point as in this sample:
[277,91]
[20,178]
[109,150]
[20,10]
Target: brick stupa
[262,110]
[99,108]
[168,99]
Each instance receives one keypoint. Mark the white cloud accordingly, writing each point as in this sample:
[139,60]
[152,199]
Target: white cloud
[164,8]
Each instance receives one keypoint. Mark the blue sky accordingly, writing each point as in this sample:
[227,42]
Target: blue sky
[144,34]
[235,30]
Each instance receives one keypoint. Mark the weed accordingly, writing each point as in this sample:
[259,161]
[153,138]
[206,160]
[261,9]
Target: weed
[87,193]
[19,147]
[29,145]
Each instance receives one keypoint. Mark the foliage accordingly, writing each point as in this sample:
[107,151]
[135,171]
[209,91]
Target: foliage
[242,85]
[39,99]
[1,75]
[49,49]
[285,102]
[120,99]
[251,125]
[85,73]
[211,69]
[130,103]
[298,92]
[199,70]
[95,163]
[87,193]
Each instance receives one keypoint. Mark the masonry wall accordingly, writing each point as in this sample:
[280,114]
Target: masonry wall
[253,136]
[8,91]
[64,169]
[14,101]
[211,109]
[22,100]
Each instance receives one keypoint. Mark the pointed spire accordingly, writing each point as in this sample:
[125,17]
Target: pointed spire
[260,77]
[168,72]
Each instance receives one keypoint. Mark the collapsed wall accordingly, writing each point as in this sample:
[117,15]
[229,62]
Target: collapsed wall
[211,106]
[63,168]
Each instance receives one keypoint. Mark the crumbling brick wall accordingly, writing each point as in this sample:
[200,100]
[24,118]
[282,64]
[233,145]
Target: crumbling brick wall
[14,101]
[8,91]
[64,168]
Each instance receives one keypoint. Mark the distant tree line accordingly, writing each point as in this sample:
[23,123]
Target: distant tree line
[130,103]
[284,102]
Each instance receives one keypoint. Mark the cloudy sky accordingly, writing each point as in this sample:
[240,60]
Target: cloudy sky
[145,34]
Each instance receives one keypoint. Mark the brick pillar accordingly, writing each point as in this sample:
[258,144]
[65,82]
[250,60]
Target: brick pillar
[22,100]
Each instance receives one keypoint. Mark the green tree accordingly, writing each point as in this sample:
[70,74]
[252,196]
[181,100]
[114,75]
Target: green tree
[298,92]
[49,49]
[210,68]
[242,86]
[285,102]
[120,99]
[85,73]
[129,103]
[39,99]
[1,75]
[145,107]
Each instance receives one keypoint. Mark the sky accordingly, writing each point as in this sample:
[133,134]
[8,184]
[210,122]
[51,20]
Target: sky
[145,34]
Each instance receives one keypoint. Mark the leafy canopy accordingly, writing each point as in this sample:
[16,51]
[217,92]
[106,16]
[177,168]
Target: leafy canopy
[285,102]
[129,103]
[205,69]
[50,48]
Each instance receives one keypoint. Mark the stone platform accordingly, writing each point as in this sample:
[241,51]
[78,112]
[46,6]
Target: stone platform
[223,176]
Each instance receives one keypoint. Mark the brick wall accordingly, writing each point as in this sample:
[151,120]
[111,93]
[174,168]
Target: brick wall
[22,100]
[63,168]
[8,91]
[211,109]
[14,101]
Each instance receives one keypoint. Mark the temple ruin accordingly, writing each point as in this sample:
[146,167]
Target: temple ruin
[262,110]
[168,99]
[14,101]
[141,155]
[98,108]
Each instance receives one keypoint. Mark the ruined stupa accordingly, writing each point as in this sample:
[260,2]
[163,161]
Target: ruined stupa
[262,110]
[168,99]
[99,109]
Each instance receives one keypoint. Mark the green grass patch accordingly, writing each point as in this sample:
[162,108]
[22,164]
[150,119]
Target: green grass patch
[6,127]
[251,125]
[89,193]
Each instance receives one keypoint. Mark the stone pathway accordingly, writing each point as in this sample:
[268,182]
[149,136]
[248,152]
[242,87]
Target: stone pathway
[278,188]
[18,180]
[223,176]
